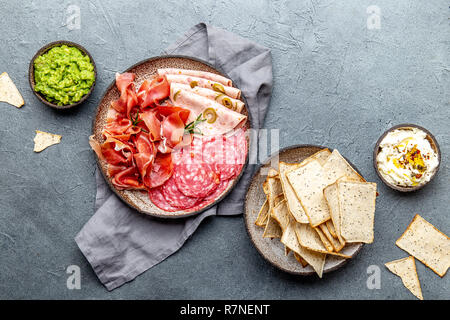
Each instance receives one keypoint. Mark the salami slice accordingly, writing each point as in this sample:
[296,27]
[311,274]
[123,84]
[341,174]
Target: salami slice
[213,150]
[175,198]
[157,198]
[191,153]
[241,142]
[196,179]
[226,154]
[213,196]
[218,192]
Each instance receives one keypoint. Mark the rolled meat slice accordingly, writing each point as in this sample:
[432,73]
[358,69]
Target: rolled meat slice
[198,74]
[219,119]
[229,102]
[193,82]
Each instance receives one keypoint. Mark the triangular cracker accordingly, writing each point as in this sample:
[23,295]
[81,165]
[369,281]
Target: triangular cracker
[406,269]
[43,140]
[9,92]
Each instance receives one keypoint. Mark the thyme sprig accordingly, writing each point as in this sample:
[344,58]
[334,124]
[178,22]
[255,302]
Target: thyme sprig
[135,121]
[191,127]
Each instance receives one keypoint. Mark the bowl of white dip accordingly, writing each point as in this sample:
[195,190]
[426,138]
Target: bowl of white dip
[406,157]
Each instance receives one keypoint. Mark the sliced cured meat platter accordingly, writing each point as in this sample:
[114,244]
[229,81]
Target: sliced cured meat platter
[202,166]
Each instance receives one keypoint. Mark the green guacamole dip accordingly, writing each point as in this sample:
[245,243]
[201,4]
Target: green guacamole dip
[63,75]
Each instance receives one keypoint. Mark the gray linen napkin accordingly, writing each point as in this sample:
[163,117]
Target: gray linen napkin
[121,243]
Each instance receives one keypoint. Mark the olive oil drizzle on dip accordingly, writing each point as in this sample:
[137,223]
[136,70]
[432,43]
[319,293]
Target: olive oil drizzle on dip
[406,157]
[63,75]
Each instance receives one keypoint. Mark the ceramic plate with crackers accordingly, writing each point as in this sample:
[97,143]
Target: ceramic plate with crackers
[308,210]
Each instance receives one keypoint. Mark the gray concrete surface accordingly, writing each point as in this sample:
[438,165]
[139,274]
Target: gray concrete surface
[337,83]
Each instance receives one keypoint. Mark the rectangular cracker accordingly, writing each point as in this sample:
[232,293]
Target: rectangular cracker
[309,239]
[321,156]
[274,195]
[281,213]
[324,239]
[331,196]
[294,205]
[427,244]
[263,215]
[308,182]
[336,166]
[331,228]
[357,210]
[336,245]
[315,259]
[300,260]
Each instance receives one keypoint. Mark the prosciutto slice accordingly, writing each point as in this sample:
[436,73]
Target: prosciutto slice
[128,178]
[121,168]
[230,103]
[128,98]
[204,83]
[172,127]
[145,155]
[153,124]
[226,119]
[162,170]
[198,74]
[151,92]
[118,126]
[117,152]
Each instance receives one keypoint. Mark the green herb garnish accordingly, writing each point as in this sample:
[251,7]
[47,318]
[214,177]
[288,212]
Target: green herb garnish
[135,120]
[191,127]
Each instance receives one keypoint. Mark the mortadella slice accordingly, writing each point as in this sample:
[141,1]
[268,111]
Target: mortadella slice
[230,103]
[204,83]
[225,119]
[198,74]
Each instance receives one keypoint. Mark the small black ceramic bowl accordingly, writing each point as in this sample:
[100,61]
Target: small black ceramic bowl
[42,51]
[434,146]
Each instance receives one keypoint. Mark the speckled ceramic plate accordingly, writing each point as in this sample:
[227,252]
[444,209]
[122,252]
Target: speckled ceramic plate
[272,249]
[143,70]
